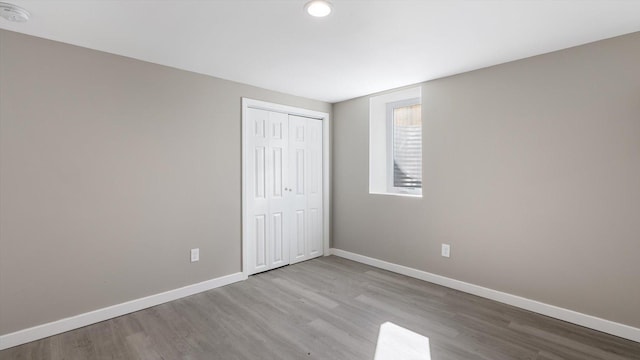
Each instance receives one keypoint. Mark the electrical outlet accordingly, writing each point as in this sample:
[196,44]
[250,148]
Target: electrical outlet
[195,255]
[446,250]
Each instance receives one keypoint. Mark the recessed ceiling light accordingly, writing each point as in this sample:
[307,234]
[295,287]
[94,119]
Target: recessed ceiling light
[318,8]
[13,13]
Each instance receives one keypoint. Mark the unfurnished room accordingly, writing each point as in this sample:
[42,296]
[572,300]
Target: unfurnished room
[313,179]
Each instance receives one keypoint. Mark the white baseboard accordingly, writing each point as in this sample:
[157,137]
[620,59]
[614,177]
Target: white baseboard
[92,317]
[592,322]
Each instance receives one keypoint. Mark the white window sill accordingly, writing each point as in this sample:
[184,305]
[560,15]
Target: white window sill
[396,194]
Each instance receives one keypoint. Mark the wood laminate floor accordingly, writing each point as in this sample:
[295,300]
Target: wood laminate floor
[327,308]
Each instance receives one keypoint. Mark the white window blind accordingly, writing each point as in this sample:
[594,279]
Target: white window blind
[405,144]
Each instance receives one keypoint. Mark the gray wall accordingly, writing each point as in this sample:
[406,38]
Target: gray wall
[531,173]
[111,169]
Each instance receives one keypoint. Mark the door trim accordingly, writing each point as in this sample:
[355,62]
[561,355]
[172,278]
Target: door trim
[326,167]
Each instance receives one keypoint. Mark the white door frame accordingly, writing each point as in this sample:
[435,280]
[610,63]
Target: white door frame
[326,167]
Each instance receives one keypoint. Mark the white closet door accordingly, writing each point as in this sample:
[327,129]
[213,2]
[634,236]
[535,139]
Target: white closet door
[305,164]
[283,189]
[268,143]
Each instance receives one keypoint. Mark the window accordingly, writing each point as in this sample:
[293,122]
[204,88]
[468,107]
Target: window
[404,146]
[395,143]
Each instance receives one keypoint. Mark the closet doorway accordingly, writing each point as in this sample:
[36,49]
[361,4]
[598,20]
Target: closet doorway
[284,185]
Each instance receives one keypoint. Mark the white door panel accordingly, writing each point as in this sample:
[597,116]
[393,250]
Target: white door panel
[267,204]
[306,172]
[257,192]
[299,237]
[298,154]
[279,257]
[260,241]
[314,193]
[278,207]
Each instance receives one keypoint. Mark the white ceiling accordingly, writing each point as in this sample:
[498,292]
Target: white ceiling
[363,47]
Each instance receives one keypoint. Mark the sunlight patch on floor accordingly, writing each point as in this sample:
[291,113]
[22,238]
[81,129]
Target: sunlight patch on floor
[398,343]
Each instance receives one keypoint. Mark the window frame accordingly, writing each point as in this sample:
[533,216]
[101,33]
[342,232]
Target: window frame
[391,106]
